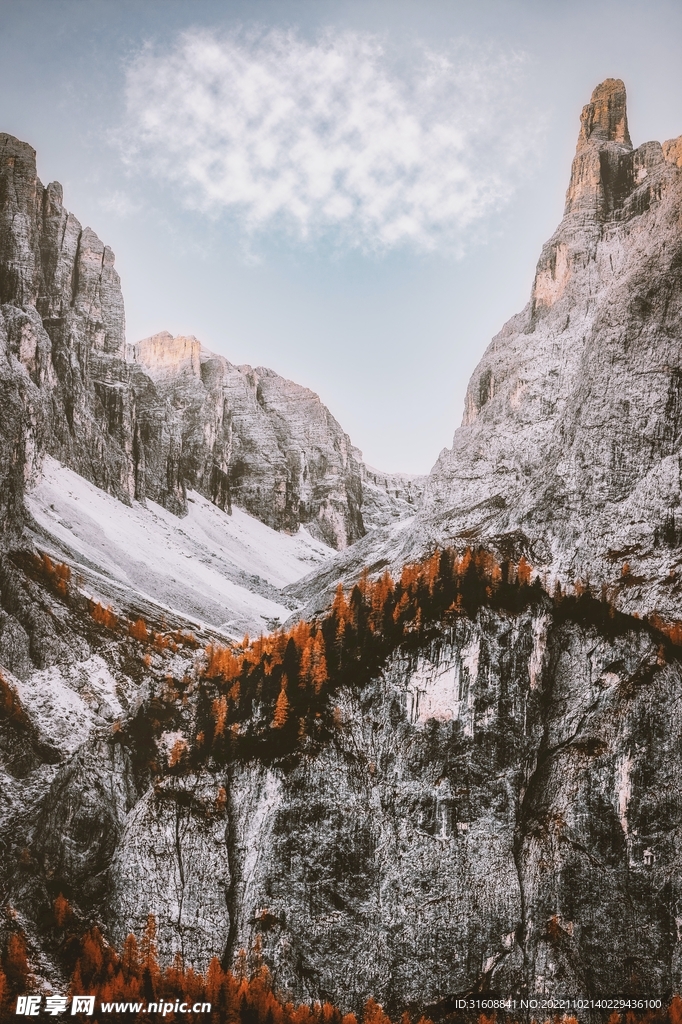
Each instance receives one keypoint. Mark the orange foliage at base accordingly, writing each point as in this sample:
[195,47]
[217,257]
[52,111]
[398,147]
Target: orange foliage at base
[62,910]
[104,616]
[10,705]
[14,972]
[245,993]
[138,630]
[673,630]
[675,1010]
[57,574]
[161,642]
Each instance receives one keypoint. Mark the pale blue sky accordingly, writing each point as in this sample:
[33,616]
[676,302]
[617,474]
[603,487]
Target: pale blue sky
[368,282]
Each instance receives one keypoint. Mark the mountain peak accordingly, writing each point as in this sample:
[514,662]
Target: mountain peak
[603,172]
[162,354]
[605,117]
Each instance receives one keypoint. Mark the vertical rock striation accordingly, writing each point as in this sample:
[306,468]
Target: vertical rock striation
[243,435]
[495,812]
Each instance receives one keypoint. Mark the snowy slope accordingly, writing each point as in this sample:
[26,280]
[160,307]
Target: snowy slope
[223,571]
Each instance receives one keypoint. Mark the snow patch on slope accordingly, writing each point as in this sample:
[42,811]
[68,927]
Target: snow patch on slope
[67,702]
[226,571]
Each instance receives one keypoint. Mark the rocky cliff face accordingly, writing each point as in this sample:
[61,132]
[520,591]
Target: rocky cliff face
[152,419]
[494,811]
[388,498]
[62,327]
[570,445]
[482,818]
[241,435]
[571,440]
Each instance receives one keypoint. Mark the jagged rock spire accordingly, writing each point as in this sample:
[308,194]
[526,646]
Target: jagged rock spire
[605,117]
[603,126]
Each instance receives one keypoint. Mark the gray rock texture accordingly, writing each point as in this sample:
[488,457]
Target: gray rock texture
[480,822]
[179,824]
[388,498]
[147,420]
[238,434]
[570,446]
[497,811]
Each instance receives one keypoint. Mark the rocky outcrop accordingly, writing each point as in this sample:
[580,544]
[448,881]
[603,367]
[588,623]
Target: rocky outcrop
[63,328]
[484,815]
[389,497]
[571,440]
[180,823]
[241,435]
[147,420]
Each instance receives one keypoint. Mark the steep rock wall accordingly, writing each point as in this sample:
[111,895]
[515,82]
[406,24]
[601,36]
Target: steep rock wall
[569,447]
[151,419]
[497,811]
[389,497]
[243,435]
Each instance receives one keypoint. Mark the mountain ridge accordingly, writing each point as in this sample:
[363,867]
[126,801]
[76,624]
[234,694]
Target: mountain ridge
[486,797]
[569,448]
[235,434]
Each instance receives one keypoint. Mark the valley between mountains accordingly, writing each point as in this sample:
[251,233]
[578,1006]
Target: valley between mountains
[448,761]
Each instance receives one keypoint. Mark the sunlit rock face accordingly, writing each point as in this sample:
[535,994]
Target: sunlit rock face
[570,441]
[163,354]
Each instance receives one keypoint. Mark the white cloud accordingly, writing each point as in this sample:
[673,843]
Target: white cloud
[332,134]
[120,204]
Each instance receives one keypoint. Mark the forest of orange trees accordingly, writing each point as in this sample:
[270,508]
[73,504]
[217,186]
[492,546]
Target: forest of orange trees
[264,696]
[133,987]
[267,696]
[261,698]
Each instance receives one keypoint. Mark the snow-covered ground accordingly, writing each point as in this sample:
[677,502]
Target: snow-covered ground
[221,570]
